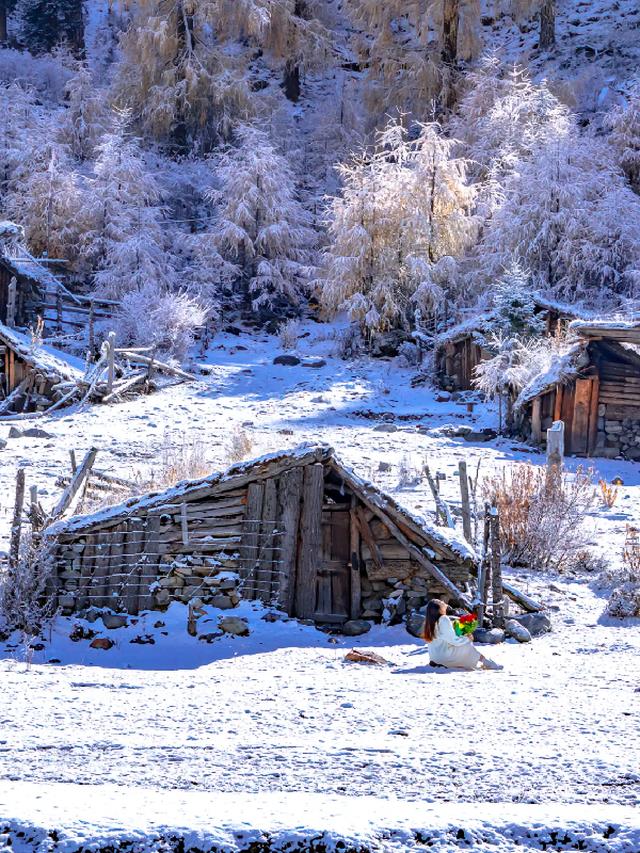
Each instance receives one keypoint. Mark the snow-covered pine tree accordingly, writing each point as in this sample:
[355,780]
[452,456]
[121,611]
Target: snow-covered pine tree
[624,122]
[24,127]
[127,239]
[263,227]
[403,217]
[86,118]
[513,304]
[44,24]
[570,217]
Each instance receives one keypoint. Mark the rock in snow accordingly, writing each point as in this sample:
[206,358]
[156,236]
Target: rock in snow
[535,623]
[234,625]
[517,631]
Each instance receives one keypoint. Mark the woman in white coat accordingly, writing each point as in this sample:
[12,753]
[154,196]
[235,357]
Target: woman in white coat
[445,647]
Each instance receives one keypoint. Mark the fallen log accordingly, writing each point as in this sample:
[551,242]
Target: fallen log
[81,473]
[127,385]
[158,365]
[526,602]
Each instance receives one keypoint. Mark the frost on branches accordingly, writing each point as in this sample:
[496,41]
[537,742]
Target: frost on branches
[404,216]
[127,238]
[624,123]
[262,228]
[624,600]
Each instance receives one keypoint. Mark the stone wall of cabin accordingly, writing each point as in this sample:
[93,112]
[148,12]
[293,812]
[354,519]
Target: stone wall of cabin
[618,431]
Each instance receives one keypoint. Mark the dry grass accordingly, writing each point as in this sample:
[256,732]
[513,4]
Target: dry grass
[240,445]
[288,333]
[625,595]
[542,516]
[608,493]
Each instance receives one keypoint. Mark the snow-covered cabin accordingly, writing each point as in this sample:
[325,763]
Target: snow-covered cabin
[33,375]
[594,387]
[459,350]
[295,529]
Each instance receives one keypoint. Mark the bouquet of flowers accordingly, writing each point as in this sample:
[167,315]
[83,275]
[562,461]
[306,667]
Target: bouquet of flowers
[465,625]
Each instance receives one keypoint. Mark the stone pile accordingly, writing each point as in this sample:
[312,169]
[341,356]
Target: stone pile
[211,580]
[618,437]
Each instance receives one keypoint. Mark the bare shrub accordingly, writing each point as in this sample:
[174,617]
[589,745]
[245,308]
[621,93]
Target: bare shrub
[180,460]
[542,515]
[624,600]
[288,333]
[349,343]
[26,594]
[407,473]
[239,446]
[608,493]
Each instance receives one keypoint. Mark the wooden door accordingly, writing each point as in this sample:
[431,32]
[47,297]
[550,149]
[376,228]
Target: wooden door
[585,414]
[333,590]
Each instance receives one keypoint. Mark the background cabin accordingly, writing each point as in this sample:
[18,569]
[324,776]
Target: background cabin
[297,530]
[23,301]
[32,376]
[598,398]
[460,350]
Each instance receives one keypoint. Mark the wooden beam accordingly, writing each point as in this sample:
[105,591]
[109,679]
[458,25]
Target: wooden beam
[525,601]
[289,500]
[310,540]
[250,538]
[370,542]
[465,501]
[76,482]
[356,581]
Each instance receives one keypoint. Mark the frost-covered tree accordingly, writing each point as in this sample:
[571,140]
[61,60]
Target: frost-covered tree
[49,203]
[185,69]
[571,219]
[624,122]
[505,118]
[86,118]
[402,219]
[513,304]
[127,238]
[262,228]
[24,128]
[403,44]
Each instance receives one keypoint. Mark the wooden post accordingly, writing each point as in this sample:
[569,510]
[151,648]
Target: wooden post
[92,336]
[496,569]
[354,548]
[11,302]
[536,428]
[16,524]
[555,444]
[289,499]
[483,573]
[59,309]
[111,341]
[250,539]
[74,464]
[466,503]
[184,523]
[76,481]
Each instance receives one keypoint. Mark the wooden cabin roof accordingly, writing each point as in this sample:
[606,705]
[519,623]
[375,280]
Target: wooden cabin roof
[622,331]
[52,363]
[568,365]
[447,541]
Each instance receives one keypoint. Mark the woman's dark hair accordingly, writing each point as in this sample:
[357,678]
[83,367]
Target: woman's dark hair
[435,609]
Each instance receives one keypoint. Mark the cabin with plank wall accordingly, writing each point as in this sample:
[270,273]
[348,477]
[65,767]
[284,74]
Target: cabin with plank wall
[297,530]
[600,403]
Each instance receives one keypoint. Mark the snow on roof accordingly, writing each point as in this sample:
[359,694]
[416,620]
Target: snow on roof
[304,454]
[620,329]
[25,265]
[52,362]
[562,368]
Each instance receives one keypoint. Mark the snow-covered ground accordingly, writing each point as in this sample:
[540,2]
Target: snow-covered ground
[280,714]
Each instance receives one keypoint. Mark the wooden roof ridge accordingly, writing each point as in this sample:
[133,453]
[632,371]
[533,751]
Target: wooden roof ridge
[437,540]
[611,329]
[218,482]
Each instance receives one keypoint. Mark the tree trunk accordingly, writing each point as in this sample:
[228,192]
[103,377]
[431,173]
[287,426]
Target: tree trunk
[547,24]
[451,17]
[3,21]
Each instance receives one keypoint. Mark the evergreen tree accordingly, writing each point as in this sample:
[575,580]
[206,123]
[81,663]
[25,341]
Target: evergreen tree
[44,24]
[514,306]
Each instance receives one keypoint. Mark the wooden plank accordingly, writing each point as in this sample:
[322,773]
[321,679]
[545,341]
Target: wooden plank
[367,536]
[289,501]
[250,538]
[356,581]
[16,524]
[112,590]
[557,405]
[582,406]
[100,584]
[310,540]
[592,437]
[536,421]
[268,542]
[76,481]
[465,499]
[87,567]
[151,552]
[132,566]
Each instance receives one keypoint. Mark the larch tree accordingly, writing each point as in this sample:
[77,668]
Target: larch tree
[263,228]
[86,118]
[624,124]
[24,127]
[570,217]
[185,69]
[127,237]
[513,304]
[404,216]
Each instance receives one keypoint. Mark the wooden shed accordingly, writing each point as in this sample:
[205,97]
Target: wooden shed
[32,375]
[594,388]
[458,351]
[24,281]
[296,529]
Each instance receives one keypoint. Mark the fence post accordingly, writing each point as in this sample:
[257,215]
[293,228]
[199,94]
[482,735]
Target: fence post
[555,444]
[11,302]
[59,309]
[466,503]
[16,524]
[111,341]
[92,339]
[496,569]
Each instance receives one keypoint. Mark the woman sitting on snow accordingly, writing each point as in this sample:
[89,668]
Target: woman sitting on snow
[445,647]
